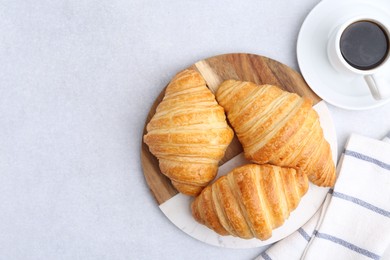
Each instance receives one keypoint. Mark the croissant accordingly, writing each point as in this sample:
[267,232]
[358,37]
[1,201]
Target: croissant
[188,133]
[250,201]
[278,127]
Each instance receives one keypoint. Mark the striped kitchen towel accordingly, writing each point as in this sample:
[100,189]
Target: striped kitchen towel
[354,222]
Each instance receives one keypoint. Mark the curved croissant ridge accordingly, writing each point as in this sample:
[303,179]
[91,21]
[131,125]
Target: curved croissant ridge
[278,127]
[250,201]
[188,133]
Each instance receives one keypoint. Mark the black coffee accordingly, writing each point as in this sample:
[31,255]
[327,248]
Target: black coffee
[364,45]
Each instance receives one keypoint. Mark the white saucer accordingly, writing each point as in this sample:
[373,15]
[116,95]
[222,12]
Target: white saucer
[349,92]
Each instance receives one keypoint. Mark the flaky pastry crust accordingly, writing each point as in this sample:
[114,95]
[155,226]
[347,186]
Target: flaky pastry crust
[188,133]
[250,201]
[278,127]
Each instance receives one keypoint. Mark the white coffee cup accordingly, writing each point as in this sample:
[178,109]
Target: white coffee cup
[374,77]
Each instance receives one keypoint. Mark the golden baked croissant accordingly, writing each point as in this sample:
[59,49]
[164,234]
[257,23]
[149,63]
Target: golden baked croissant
[278,127]
[188,133]
[250,201]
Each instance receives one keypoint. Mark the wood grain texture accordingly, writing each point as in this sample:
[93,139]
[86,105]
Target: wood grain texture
[239,66]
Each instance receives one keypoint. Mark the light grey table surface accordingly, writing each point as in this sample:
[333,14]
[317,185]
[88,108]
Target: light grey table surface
[77,79]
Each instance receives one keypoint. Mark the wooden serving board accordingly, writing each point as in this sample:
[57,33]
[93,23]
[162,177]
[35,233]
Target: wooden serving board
[239,66]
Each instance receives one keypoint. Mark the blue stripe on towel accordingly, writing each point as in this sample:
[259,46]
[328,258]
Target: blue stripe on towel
[367,159]
[361,203]
[265,256]
[304,234]
[346,244]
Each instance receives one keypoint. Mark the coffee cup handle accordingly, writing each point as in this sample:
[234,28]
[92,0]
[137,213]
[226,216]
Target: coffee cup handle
[380,89]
